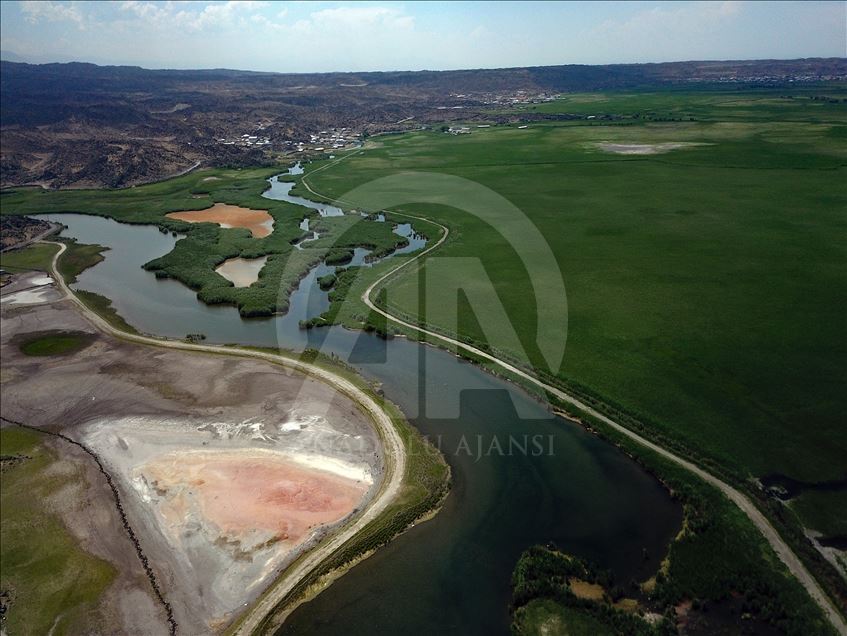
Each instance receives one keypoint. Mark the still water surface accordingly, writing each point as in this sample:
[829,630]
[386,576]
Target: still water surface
[449,575]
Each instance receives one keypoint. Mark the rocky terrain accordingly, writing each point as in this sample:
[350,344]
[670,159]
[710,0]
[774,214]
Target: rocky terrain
[18,230]
[81,125]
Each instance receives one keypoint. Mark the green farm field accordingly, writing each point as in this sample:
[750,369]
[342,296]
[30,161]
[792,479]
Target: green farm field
[705,285]
[818,104]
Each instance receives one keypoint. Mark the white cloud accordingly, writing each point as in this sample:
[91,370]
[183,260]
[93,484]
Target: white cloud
[185,15]
[358,17]
[358,37]
[690,16]
[481,32]
[36,11]
[661,33]
[660,19]
[145,10]
[263,22]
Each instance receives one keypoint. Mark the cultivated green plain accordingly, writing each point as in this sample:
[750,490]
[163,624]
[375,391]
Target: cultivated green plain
[706,288]
[705,285]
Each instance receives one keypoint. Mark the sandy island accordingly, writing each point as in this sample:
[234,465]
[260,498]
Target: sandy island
[259,222]
[242,272]
[644,149]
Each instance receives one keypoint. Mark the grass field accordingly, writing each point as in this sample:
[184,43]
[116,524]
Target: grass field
[102,306]
[706,289]
[77,258]
[823,511]
[52,582]
[705,286]
[815,104]
[37,256]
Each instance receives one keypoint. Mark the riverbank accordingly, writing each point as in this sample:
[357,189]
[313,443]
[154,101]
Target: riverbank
[579,408]
[254,222]
[487,364]
[223,335]
[388,505]
[584,477]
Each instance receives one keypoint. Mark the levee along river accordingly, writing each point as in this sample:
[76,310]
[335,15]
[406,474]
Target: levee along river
[551,481]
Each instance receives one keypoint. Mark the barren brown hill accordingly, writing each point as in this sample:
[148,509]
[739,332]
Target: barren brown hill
[82,125]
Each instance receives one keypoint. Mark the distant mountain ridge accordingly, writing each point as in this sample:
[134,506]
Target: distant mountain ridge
[557,77]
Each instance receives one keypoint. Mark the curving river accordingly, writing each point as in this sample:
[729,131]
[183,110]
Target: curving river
[449,575]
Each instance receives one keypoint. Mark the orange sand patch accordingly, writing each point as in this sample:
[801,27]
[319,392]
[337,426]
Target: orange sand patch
[585,590]
[627,605]
[240,493]
[259,222]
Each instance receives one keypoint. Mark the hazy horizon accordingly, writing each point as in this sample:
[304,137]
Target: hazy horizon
[300,37]
[11,56]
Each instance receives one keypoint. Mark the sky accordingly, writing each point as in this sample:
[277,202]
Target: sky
[382,36]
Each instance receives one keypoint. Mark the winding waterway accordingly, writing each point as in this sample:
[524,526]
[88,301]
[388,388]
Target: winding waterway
[280,190]
[449,575]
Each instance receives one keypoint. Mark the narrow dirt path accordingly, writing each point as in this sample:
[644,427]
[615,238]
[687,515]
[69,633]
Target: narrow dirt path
[782,549]
[394,450]
[54,227]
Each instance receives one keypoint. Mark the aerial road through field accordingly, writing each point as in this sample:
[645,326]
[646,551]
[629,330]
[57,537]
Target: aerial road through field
[785,553]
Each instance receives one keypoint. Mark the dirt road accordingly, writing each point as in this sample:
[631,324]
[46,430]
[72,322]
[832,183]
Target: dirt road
[785,553]
[394,450]
[54,227]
